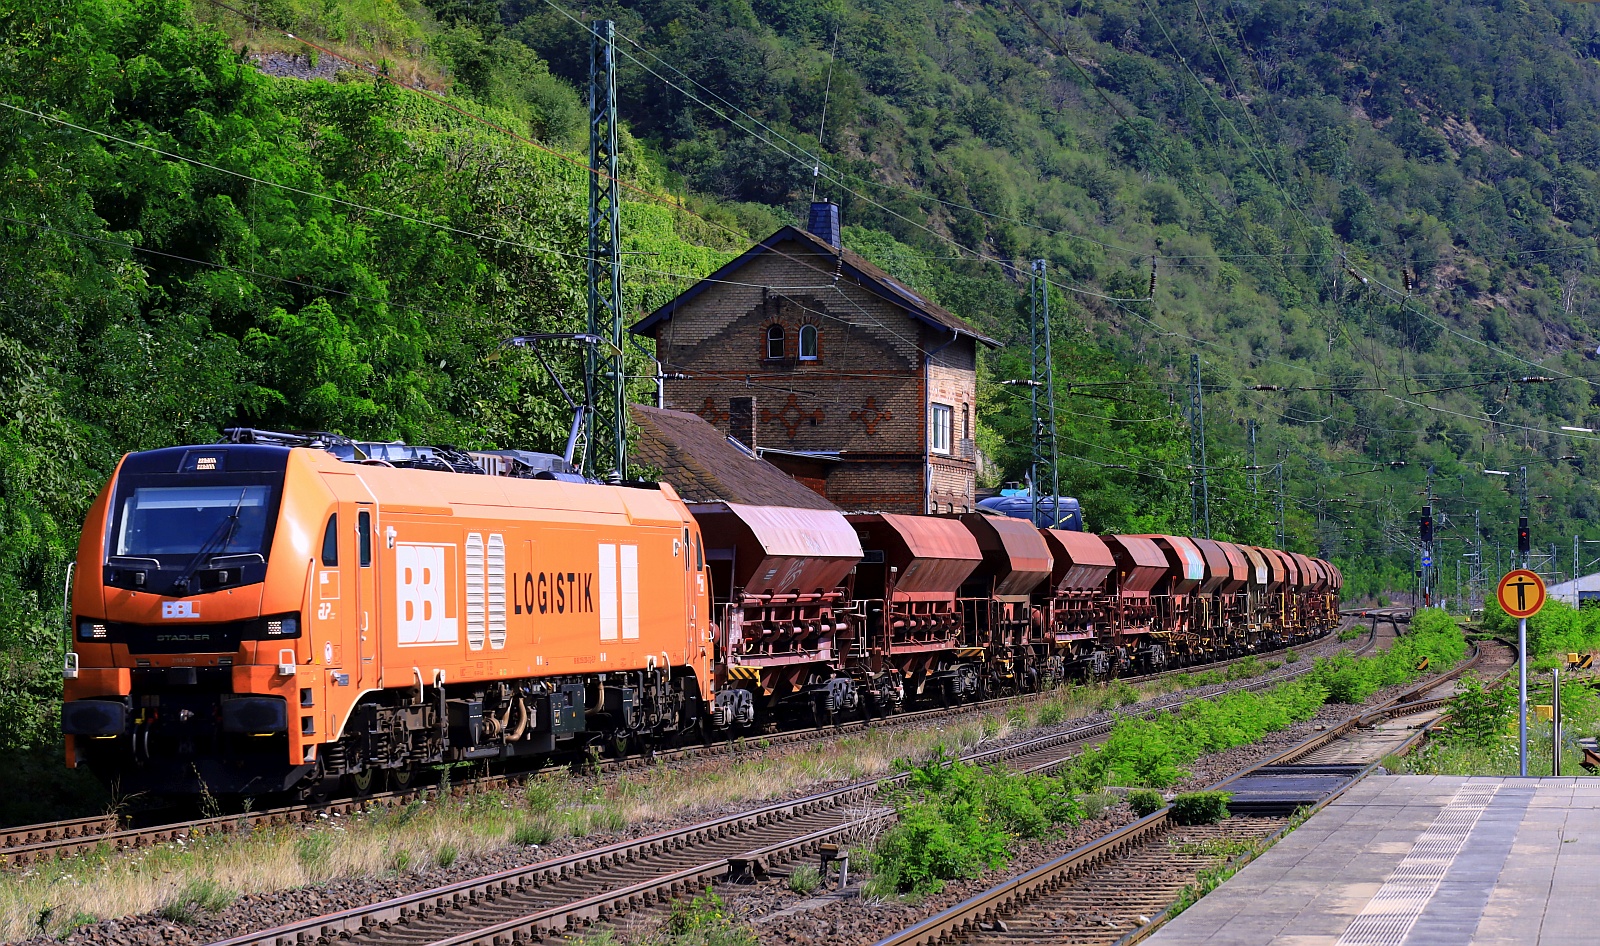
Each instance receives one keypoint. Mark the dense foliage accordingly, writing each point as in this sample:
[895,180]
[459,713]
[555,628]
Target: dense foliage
[1434,642]
[1557,630]
[1152,751]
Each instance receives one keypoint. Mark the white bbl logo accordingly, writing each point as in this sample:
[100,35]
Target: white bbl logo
[179,609]
[420,599]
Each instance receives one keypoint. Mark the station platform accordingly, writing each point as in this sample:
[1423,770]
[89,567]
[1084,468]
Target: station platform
[1419,860]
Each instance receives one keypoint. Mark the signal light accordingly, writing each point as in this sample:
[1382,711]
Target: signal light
[1523,542]
[1427,523]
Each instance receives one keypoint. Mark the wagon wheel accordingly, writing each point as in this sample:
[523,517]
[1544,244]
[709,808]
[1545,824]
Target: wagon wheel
[402,779]
[359,784]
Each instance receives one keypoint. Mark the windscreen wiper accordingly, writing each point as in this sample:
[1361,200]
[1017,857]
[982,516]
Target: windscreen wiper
[204,554]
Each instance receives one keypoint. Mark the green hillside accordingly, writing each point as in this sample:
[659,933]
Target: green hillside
[190,242]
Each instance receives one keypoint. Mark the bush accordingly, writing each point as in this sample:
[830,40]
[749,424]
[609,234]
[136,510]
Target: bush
[957,819]
[1053,713]
[1433,637]
[1200,807]
[1146,802]
[703,921]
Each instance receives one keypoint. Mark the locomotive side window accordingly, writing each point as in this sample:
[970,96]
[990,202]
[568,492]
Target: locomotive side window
[364,536]
[330,542]
[699,557]
[686,549]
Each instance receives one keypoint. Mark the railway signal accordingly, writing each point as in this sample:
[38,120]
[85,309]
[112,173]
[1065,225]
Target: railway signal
[1521,594]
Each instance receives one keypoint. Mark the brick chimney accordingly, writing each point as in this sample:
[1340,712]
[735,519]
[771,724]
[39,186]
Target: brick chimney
[824,222]
[742,420]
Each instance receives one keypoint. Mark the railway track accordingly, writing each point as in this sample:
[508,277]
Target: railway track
[1120,888]
[551,898]
[30,844]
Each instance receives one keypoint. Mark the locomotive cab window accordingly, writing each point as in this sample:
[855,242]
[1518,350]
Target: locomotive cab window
[808,343]
[775,342]
[189,520]
[364,536]
[330,542]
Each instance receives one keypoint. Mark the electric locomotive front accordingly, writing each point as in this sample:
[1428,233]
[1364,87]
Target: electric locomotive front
[188,595]
[250,618]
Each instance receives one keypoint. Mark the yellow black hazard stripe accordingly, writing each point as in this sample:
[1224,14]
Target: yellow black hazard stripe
[736,672]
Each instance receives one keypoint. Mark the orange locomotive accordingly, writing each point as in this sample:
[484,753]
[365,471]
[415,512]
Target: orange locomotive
[253,616]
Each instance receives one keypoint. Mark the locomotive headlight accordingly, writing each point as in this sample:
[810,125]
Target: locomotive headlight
[91,631]
[284,626]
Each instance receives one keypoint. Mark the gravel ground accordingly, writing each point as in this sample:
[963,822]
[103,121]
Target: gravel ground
[265,910]
[781,916]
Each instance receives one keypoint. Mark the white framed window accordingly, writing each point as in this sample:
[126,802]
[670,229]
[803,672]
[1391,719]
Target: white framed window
[939,428]
[808,343]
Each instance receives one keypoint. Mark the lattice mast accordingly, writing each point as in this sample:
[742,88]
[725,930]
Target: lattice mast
[605,382]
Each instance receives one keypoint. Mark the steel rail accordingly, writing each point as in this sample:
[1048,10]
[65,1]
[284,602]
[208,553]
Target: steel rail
[955,924]
[30,844]
[426,913]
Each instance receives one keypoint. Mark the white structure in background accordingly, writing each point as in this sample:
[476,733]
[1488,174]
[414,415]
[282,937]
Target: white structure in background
[1574,593]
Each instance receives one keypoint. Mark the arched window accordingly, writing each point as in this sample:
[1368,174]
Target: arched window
[775,341]
[808,343]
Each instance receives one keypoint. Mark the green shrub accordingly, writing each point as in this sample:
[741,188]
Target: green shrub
[1096,804]
[1291,656]
[1145,801]
[957,819]
[1152,752]
[1053,713]
[703,921]
[1433,637]
[1200,807]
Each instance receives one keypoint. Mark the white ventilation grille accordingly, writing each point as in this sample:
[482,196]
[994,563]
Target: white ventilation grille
[475,596]
[630,592]
[1389,917]
[608,591]
[497,591]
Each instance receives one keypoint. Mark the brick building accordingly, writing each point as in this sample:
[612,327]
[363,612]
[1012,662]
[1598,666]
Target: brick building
[829,368]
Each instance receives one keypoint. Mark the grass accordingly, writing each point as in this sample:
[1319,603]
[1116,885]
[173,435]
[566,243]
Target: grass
[438,834]
[424,835]
[804,879]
